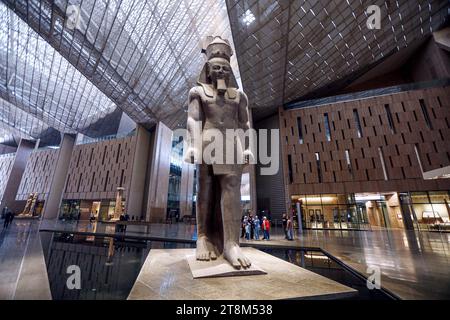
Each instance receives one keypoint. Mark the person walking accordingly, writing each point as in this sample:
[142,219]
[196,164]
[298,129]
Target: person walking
[257,227]
[284,223]
[289,229]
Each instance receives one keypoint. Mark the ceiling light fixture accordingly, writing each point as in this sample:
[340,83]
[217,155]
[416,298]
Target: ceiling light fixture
[248,17]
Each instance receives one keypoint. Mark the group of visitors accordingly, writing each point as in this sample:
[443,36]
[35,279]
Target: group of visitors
[8,217]
[123,227]
[252,226]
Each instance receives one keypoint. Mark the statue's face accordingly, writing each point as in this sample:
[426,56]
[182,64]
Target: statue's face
[219,69]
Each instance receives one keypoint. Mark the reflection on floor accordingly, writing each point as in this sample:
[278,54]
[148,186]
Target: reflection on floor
[413,265]
[105,274]
[22,265]
[108,266]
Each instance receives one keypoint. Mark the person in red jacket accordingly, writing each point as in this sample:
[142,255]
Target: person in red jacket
[266,228]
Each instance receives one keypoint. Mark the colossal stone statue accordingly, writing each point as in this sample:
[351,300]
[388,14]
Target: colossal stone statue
[216,104]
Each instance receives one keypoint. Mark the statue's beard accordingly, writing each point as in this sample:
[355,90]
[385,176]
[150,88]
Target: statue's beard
[221,86]
[220,83]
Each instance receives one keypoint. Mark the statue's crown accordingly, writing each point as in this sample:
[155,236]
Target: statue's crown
[216,47]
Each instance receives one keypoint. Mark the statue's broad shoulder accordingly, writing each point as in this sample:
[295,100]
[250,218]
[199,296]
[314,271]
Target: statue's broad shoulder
[205,91]
[195,92]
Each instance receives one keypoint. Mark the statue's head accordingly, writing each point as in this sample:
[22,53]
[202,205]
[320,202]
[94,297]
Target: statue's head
[217,70]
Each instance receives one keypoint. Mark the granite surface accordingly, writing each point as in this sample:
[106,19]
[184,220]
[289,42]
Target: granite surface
[166,275]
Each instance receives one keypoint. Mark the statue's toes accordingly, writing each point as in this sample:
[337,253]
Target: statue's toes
[236,263]
[244,262]
[213,255]
[203,256]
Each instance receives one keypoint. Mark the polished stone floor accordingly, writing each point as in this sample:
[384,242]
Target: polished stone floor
[412,265]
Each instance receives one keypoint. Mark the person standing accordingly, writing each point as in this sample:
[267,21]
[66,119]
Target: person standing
[126,218]
[250,223]
[266,228]
[119,226]
[284,223]
[11,217]
[247,229]
[257,227]
[289,230]
[92,217]
[4,211]
[8,219]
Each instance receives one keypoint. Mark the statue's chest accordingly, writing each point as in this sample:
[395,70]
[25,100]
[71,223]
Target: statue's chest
[221,106]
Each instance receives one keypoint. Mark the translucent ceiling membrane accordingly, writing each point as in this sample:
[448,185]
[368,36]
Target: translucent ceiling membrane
[293,48]
[144,55]
[6,134]
[36,79]
[18,122]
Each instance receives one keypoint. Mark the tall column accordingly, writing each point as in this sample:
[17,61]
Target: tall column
[135,198]
[51,206]
[186,188]
[20,161]
[251,169]
[158,185]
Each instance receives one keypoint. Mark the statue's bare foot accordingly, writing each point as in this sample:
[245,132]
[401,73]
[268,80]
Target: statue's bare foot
[233,254]
[205,249]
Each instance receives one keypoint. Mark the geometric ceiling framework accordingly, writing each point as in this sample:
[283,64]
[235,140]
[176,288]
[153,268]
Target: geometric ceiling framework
[293,48]
[143,55]
[16,123]
[73,65]
[39,88]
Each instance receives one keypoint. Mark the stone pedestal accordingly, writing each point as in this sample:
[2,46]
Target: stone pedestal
[166,275]
[218,268]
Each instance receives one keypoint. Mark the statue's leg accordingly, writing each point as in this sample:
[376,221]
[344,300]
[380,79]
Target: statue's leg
[231,217]
[205,249]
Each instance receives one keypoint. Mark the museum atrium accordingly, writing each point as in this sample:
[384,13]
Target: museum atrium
[350,105]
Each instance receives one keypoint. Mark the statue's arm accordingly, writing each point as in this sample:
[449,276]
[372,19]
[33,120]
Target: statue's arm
[194,126]
[244,123]
[244,119]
